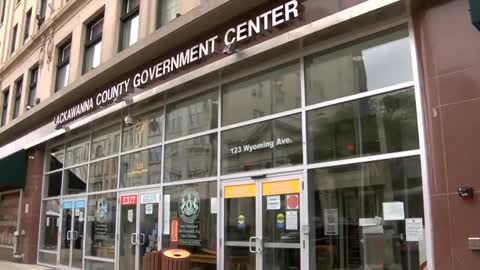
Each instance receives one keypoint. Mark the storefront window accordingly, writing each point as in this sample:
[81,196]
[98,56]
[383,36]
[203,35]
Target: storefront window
[50,224]
[194,158]
[146,130]
[106,142]
[76,180]
[264,145]
[141,168]
[101,225]
[193,115]
[103,175]
[8,217]
[275,91]
[53,184]
[194,209]
[363,66]
[47,258]
[367,216]
[56,158]
[375,125]
[78,151]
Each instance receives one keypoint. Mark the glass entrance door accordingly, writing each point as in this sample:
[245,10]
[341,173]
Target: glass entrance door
[73,224]
[261,227]
[139,221]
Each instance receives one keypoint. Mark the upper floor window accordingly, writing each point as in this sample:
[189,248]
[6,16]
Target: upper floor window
[167,10]
[93,44]
[28,19]
[129,23]
[32,87]
[3,7]
[14,38]
[42,13]
[63,65]
[17,98]
[6,93]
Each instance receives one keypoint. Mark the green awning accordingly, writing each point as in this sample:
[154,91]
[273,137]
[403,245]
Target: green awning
[13,170]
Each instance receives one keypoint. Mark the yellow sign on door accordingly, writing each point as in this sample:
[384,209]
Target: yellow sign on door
[281,187]
[240,191]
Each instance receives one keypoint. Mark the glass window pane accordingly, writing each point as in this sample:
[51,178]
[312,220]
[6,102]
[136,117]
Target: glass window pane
[194,158]
[103,175]
[98,265]
[130,32]
[167,11]
[274,91]
[93,56]
[375,125]
[354,228]
[359,67]
[62,76]
[264,145]
[76,180]
[101,225]
[193,115]
[9,204]
[56,158]
[141,168]
[146,130]
[47,258]
[53,184]
[191,205]
[78,151]
[106,142]
[50,224]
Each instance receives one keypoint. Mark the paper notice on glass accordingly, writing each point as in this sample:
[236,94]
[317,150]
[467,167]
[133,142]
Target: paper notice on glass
[292,220]
[414,229]
[273,203]
[393,211]
[330,218]
[48,222]
[213,205]
[366,222]
[166,214]
[130,215]
[148,209]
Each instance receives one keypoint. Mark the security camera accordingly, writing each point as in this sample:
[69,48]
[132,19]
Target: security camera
[128,120]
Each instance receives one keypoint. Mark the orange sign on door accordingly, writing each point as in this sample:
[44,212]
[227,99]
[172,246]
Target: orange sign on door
[281,187]
[240,191]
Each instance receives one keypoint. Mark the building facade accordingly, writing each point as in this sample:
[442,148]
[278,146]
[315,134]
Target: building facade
[253,134]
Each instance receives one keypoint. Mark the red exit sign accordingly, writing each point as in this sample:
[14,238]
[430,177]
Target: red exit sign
[128,200]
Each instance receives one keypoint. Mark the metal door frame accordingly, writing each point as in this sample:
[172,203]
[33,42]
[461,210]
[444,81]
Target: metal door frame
[73,200]
[138,193]
[303,214]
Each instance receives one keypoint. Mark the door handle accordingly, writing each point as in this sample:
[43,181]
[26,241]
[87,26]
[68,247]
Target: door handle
[258,245]
[250,240]
[133,238]
[69,235]
[142,238]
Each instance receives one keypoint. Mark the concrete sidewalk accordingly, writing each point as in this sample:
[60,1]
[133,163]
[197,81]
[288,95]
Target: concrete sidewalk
[4,265]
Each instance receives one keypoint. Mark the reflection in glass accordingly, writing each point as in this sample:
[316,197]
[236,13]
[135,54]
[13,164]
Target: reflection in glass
[50,225]
[375,125]
[146,130]
[196,114]
[141,168]
[57,158]
[53,184]
[191,206]
[78,151]
[194,158]
[106,142]
[101,225]
[363,66]
[103,175]
[9,204]
[268,144]
[47,258]
[76,180]
[275,91]
[351,227]
[98,265]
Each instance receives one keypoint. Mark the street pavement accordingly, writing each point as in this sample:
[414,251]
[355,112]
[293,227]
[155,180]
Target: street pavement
[20,266]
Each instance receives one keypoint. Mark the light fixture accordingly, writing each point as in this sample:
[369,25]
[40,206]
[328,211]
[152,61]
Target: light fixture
[28,107]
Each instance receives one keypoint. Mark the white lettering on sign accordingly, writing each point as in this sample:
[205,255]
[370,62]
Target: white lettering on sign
[243,31]
[259,146]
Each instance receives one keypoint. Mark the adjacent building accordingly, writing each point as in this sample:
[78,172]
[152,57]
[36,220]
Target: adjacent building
[280,134]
